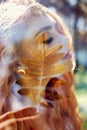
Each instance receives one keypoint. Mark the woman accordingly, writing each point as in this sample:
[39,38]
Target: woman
[37,62]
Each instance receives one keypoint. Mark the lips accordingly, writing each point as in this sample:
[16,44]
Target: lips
[67,56]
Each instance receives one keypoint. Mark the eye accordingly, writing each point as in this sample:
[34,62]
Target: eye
[48,41]
[45,38]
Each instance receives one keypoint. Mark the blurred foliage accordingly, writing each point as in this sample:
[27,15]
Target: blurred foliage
[85,125]
[81,93]
[81,78]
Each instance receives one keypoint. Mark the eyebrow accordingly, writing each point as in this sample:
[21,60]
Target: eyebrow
[43,29]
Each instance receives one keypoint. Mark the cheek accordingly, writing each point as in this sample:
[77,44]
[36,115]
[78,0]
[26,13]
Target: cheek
[59,29]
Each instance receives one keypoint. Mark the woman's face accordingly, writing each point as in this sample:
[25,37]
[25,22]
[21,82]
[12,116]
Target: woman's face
[37,36]
[36,26]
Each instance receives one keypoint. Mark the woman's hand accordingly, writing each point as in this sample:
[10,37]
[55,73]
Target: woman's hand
[24,119]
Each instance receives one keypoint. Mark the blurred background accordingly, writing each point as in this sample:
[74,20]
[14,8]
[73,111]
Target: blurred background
[74,14]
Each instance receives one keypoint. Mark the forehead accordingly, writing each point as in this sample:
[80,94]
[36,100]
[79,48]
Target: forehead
[38,23]
[32,26]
